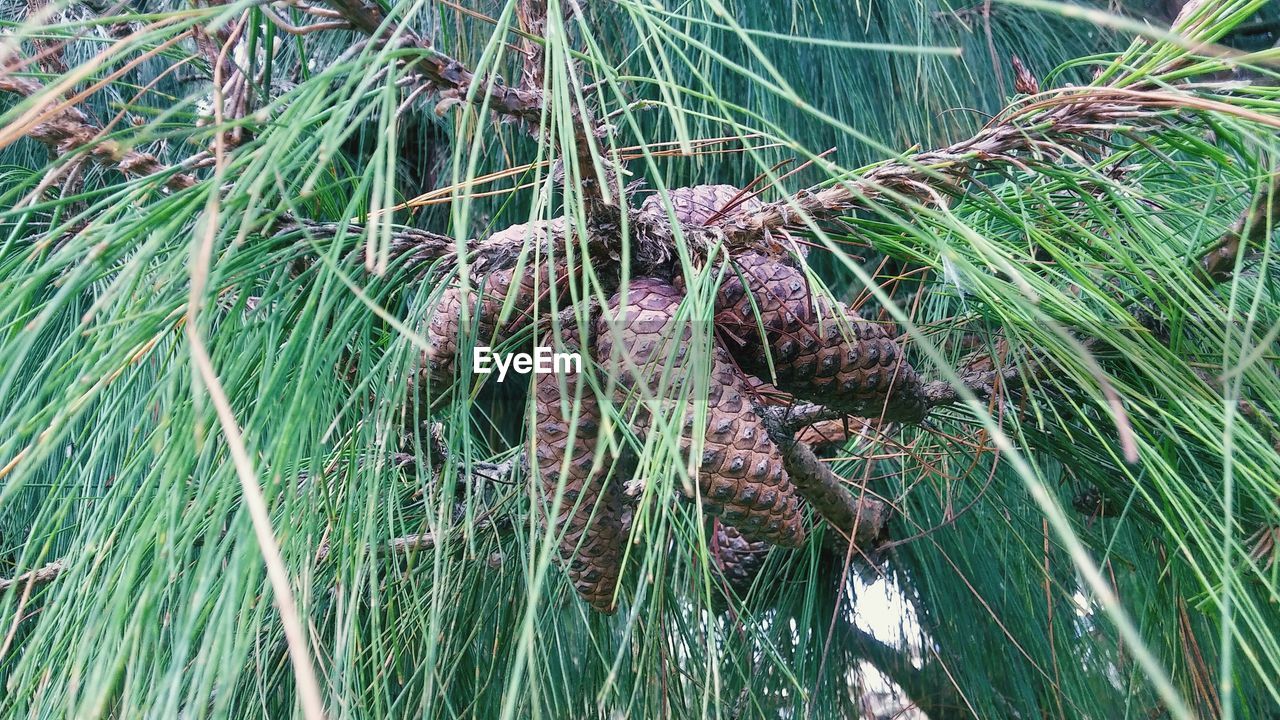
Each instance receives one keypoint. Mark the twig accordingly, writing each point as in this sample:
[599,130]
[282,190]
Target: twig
[533,21]
[983,383]
[49,53]
[792,418]
[451,77]
[1075,112]
[596,181]
[233,84]
[418,247]
[300,30]
[41,575]
[397,546]
[69,130]
[1218,264]
[863,519]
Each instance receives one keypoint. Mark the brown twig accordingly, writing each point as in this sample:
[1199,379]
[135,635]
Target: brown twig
[70,130]
[449,76]
[232,83]
[1217,265]
[533,21]
[863,518]
[45,574]
[596,181]
[300,30]
[49,53]
[1017,138]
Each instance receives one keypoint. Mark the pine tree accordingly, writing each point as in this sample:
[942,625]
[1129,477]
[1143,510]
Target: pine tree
[966,311]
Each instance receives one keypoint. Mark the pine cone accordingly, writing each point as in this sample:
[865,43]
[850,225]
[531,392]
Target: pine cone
[820,350]
[741,477]
[646,327]
[486,297]
[707,205]
[592,516]
[738,559]
[700,203]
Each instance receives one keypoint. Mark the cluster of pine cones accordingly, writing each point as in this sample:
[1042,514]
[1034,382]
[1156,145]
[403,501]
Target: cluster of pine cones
[769,326]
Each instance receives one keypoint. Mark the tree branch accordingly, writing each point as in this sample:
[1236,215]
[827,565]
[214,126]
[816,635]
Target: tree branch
[1037,129]
[419,248]
[69,129]
[41,575]
[596,181]
[449,76]
[863,518]
[1262,216]
[928,686]
[533,21]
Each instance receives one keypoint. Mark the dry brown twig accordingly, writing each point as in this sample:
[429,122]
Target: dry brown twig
[1066,113]
[69,130]
[533,21]
[1250,231]
[451,78]
[219,48]
[41,575]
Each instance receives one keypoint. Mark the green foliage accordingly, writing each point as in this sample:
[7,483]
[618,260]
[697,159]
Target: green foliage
[115,464]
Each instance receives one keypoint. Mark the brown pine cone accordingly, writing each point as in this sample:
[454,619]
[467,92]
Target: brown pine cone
[592,517]
[645,328]
[487,295]
[700,203]
[741,477]
[741,467]
[737,559]
[706,205]
[820,350]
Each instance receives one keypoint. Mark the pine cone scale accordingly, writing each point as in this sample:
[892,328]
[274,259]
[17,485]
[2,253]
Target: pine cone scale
[740,477]
[591,517]
[819,350]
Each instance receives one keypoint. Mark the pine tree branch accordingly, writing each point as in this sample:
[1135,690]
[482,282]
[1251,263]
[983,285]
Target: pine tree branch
[930,689]
[533,21]
[863,518]
[597,180]
[1262,217]
[1033,133]
[41,575]
[450,77]
[418,248]
[66,130]
[366,17]
[1216,265]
